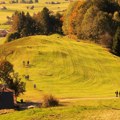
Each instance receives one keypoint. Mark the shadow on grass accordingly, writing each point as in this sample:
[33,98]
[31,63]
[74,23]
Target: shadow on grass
[30,105]
[27,105]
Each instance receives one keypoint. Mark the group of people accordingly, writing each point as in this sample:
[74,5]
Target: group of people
[27,77]
[27,63]
[117,93]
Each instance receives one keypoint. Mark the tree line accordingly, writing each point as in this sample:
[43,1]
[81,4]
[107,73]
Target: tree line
[42,23]
[96,20]
[24,1]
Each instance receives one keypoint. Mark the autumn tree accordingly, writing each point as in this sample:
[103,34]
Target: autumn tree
[36,1]
[96,20]
[10,78]
[41,23]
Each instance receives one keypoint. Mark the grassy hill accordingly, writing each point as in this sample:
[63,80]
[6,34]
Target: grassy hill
[64,67]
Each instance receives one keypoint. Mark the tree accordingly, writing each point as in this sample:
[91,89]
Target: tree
[30,1]
[29,25]
[116,42]
[92,19]
[23,24]
[16,21]
[56,23]
[19,20]
[41,23]
[22,1]
[109,6]
[10,78]
[45,18]
[12,36]
[16,84]
[36,1]
[116,16]
[5,69]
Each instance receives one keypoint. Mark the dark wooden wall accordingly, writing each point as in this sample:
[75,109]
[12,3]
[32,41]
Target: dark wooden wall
[6,100]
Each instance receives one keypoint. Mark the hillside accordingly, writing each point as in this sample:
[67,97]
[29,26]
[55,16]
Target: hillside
[64,67]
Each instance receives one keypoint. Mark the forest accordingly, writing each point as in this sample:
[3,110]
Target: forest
[98,21]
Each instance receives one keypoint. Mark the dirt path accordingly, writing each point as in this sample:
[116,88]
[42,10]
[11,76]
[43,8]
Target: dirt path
[96,98]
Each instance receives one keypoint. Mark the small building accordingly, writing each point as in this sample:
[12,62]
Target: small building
[3,32]
[7,98]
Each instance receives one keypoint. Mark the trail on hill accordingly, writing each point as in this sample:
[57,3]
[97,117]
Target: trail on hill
[95,98]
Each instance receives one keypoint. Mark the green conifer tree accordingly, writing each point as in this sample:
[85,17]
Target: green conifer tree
[116,42]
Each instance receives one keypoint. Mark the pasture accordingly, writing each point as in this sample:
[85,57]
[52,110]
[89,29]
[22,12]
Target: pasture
[63,67]
[11,8]
[82,75]
[76,110]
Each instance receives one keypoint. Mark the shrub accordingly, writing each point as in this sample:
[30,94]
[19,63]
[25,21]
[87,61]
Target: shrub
[12,36]
[49,101]
[116,42]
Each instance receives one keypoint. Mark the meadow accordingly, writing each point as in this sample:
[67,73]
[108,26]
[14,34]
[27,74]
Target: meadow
[81,74]
[63,67]
[76,110]
[11,8]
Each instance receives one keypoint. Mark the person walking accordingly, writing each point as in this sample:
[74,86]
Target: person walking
[116,93]
[34,86]
[119,93]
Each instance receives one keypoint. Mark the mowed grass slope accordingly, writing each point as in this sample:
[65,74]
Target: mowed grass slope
[64,67]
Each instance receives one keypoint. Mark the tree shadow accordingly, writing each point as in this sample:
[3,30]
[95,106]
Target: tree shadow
[27,105]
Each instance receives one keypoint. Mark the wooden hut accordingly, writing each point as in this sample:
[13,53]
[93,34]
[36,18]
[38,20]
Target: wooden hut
[7,98]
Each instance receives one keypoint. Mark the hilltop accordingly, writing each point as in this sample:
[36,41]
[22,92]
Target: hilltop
[64,67]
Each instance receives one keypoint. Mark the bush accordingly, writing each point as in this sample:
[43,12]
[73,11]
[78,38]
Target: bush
[116,42]
[49,101]
[12,36]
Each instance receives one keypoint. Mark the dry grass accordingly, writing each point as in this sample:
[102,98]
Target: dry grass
[49,101]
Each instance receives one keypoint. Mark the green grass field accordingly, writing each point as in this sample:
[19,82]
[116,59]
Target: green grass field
[64,67]
[11,8]
[82,75]
[78,110]
[83,71]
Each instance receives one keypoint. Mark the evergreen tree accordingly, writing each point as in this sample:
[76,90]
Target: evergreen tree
[30,1]
[116,42]
[12,36]
[56,23]
[38,26]
[22,1]
[36,1]
[107,5]
[44,20]
[29,26]
[41,23]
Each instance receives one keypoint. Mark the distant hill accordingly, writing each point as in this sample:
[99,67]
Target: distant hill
[64,67]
